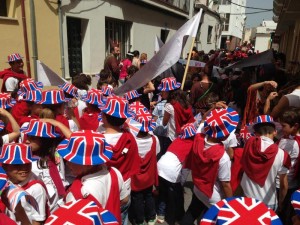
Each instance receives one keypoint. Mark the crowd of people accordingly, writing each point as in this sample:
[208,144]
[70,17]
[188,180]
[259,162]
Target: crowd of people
[75,155]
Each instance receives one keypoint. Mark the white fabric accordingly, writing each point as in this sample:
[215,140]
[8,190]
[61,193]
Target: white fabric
[73,126]
[5,139]
[39,194]
[231,141]
[171,132]
[267,193]
[169,167]
[44,175]
[224,174]
[11,84]
[81,106]
[99,185]
[294,98]
[144,145]
[292,148]
[112,139]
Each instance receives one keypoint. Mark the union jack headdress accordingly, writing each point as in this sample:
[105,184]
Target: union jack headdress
[85,147]
[29,84]
[82,211]
[145,118]
[241,210]
[117,107]
[94,97]
[16,153]
[2,125]
[14,57]
[31,96]
[137,106]
[69,88]
[6,101]
[187,131]
[221,122]
[263,119]
[107,90]
[51,97]
[169,84]
[131,95]
[40,129]
[3,179]
[295,200]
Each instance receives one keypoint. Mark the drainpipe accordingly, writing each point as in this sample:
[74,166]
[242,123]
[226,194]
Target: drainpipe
[62,54]
[33,36]
[25,38]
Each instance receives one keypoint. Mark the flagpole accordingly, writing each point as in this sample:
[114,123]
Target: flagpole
[188,63]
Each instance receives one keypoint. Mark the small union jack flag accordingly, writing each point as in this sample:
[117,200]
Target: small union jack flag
[107,90]
[131,95]
[83,212]
[245,134]
[70,89]
[6,101]
[295,200]
[2,125]
[16,153]
[221,122]
[169,84]
[132,126]
[14,57]
[31,96]
[145,118]
[136,107]
[187,131]
[30,84]
[117,107]
[85,147]
[40,129]
[51,97]
[95,97]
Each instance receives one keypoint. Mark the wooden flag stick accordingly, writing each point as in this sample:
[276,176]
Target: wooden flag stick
[188,63]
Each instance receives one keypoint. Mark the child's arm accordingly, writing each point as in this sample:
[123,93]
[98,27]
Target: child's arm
[226,188]
[15,126]
[20,215]
[65,130]
[283,190]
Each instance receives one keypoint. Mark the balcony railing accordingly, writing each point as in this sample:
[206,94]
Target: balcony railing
[183,5]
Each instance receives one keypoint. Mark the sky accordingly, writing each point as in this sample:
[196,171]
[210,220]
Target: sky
[253,20]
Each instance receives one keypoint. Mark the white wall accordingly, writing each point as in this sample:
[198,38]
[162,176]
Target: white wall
[262,43]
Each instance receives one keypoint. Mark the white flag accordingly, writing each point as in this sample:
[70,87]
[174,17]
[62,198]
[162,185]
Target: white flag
[167,56]
[47,76]
[158,44]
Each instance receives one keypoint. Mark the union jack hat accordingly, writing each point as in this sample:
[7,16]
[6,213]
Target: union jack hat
[263,119]
[85,147]
[94,97]
[187,131]
[6,101]
[16,153]
[70,89]
[51,97]
[131,95]
[3,179]
[295,200]
[14,57]
[31,96]
[169,84]
[117,107]
[137,106]
[29,84]
[221,122]
[145,118]
[82,211]
[107,90]
[40,129]
[240,210]
[2,125]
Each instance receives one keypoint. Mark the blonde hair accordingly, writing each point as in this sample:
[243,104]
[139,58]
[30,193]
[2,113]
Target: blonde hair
[47,113]
[143,56]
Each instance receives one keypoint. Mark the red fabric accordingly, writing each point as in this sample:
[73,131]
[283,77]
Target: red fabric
[125,156]
[26,119]
[257,164]
[113,200]
[182,116]
[18,111]
[89,121]
[54,174]
[205,164]
[236,169]
[63,120]
[297,164]
[181,148]
[5,220]
[148,175]
[7,73]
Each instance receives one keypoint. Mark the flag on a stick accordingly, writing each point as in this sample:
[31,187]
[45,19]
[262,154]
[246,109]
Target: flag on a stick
[167,56]
[47,76]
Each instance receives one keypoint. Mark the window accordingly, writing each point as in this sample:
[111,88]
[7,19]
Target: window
[117,31]
[226,22]
[181,4]
[209,34]
[224,2]
[3,8]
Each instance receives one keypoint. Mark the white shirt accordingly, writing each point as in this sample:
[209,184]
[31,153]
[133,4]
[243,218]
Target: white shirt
[294,98]
[144,145]
[267,193]
[169,167]
[99,185]
[11,84]
[171,132]
[5,139]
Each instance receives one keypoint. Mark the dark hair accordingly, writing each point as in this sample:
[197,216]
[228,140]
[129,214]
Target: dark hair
[132,70]
[290,116]
[104,78]
[115,121]
[179,96]
[194,75]
[136,53]
[264,128]
[82,81]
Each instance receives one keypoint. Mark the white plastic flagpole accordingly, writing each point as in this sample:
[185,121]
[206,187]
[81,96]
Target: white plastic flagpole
[188,63]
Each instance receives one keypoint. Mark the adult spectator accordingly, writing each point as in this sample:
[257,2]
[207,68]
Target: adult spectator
[111,62]
[13,75]
[136,58]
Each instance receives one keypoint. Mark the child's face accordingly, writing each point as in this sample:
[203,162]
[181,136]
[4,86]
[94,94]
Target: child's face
[78,170]
[17,173]
[288,130]
[34,142]
[164,95]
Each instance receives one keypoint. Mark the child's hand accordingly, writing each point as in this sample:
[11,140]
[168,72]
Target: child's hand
[272,95]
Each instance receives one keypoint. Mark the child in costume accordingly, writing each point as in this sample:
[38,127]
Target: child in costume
[16,160]
[86,153]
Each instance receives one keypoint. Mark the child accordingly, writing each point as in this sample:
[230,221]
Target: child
[86,153]
[125,158]
[262,161]
[212,181]
[142,201]
[8,137]
[171,176]
[16,160]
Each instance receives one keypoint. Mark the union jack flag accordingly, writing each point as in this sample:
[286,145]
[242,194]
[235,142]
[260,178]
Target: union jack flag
[53,97]
[6,101]
[132,126]
[169,84]
[32,96]
[70,89]
[145,118]
[94,97]
[14,57]
[117,107]
[107,90]
[221,122]
[245,133]
[30,84]
[136,107]
[2,125]
[3,179]
[16,153]
[188,130]
[85,147]
[40,129]
[131,95]
[296,201]
[83,212]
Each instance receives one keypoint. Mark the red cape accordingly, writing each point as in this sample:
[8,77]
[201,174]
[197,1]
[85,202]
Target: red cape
[7,73]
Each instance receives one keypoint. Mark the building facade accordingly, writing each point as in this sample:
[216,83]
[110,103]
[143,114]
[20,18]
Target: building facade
[263,35]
